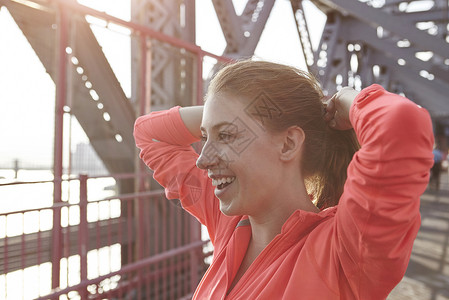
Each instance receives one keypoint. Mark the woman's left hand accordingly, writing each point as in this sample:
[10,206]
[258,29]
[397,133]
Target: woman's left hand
[337,108]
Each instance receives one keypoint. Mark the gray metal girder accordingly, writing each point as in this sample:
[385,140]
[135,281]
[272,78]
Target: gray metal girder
[376,17]
[431,94]
[420,90]
[353,22]
[304,35]
[173,70]
[38,27]
[354,31]
[242,33]
[436,15]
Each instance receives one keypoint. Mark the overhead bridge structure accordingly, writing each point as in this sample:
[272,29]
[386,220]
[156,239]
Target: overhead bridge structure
[402,45]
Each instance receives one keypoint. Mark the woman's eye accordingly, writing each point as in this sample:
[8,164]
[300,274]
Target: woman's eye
[203,138]
[225,137]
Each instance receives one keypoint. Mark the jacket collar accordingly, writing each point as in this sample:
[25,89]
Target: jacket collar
[302,222]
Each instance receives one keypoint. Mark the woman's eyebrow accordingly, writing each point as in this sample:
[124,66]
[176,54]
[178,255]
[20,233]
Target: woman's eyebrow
[217,125]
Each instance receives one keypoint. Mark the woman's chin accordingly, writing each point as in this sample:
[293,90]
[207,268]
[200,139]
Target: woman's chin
[226,196]
[227,209]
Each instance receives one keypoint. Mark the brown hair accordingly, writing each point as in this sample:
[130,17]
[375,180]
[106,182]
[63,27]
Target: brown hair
[298,98]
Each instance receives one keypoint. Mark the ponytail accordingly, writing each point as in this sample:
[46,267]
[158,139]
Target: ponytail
[340,146]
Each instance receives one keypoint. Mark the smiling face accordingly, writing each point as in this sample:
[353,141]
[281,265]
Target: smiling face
[240,156]
[286,101]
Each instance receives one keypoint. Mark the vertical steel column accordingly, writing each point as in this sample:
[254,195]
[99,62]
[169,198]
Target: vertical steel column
[193,234]
[199,82]
[176,19]
[61,63]
[83,233]
[141,207]
[140,211]
[6,258]
[144,99]
[304,35]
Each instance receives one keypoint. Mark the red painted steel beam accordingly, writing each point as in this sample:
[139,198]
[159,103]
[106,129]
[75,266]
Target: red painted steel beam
[199,80]
[141,167]
[83,233]
[61,94]
[74,6]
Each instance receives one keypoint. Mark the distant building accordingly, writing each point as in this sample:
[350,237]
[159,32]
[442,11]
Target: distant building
[86,161]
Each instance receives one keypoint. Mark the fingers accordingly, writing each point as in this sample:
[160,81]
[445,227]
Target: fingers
[330,109]
[337,109]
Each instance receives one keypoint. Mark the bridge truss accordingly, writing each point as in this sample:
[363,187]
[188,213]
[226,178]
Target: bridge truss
[402,45]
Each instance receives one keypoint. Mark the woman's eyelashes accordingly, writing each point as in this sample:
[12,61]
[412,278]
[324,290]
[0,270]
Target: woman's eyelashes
[226,137]
[222,137]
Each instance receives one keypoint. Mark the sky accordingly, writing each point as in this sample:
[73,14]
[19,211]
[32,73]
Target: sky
[27,93]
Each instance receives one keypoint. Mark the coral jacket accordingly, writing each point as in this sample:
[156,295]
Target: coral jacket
[358,249]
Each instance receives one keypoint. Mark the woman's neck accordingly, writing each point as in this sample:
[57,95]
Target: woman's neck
[267,224]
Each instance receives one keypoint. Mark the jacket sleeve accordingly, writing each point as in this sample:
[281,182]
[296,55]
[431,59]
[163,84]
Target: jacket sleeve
[165,147]
[378,215]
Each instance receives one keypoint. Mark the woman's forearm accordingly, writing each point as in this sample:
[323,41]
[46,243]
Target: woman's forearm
[191,116]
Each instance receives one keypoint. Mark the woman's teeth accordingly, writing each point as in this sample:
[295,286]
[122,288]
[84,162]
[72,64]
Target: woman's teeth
[217,182]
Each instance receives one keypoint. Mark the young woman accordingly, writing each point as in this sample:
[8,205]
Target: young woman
[273,169]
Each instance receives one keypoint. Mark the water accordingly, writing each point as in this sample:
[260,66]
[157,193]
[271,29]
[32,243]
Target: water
[35,281]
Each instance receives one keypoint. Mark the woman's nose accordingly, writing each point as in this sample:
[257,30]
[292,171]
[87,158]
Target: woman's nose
[209,156]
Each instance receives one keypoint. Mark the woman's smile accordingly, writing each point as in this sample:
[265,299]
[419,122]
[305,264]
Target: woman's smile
[222,186]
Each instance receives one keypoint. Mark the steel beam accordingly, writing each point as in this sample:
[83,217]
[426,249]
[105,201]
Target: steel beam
[172,76]
[303,33]
[242,33]
[230,23]
[358,25]
[36,24]
[396,78]
[436,15]
[355,31]
[254,18]
[61,100]
[426,93]
[376,17]
[394,2]
[331,54]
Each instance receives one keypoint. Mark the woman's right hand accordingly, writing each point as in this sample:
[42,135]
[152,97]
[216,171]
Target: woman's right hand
[337,108]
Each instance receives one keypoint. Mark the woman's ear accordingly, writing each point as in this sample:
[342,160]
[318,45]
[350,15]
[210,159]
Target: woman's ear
[293,141]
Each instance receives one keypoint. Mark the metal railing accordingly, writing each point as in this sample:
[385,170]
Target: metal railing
[126,246]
